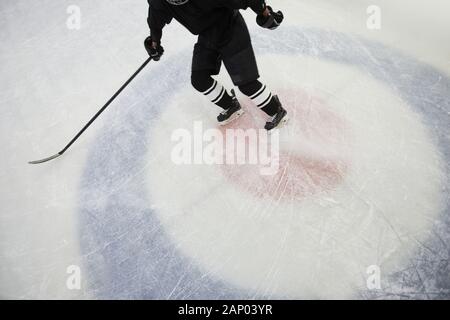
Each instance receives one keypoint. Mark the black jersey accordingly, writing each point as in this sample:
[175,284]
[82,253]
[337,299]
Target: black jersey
[196,15]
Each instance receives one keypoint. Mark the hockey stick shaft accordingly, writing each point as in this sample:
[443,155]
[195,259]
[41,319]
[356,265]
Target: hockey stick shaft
[107,104]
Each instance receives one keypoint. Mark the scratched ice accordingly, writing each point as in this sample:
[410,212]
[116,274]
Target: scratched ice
[362,187]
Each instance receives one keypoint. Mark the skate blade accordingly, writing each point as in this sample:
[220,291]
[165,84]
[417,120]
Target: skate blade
[235,116]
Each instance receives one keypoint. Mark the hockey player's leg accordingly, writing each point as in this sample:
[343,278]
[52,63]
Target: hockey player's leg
[217,94]
[239,59]
[263,98]
[207,62]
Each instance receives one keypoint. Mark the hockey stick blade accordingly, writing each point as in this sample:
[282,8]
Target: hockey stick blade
[46,159]
[95,117]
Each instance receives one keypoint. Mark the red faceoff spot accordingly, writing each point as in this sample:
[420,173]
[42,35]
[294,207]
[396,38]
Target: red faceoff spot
[312,150]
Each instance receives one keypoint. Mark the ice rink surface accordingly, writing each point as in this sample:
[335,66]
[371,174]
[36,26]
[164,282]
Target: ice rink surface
[364,163]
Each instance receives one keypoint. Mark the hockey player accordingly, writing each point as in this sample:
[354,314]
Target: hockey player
[223,37]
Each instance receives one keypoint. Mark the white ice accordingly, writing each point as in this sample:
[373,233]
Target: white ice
[374,102]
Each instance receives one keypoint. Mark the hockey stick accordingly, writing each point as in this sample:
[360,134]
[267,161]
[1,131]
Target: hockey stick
[95,117]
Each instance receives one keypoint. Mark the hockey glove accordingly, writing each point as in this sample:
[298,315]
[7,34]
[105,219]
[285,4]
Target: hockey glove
[272,21]
[154,52]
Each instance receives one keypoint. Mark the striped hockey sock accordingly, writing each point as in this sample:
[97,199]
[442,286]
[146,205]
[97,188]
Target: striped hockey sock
[264,100]
[218,95]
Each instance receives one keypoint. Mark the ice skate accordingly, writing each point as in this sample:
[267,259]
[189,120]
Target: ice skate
[278,119]
[231,114]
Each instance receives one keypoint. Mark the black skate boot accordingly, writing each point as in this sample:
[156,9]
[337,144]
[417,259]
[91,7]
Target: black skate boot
[231,114]
[279,119]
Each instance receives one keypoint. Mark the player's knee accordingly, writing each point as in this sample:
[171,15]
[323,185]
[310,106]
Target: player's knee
[201,80]
[249,89]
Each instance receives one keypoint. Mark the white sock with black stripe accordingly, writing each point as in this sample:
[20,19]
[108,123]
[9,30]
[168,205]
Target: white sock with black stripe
[262,98]
[218,94]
